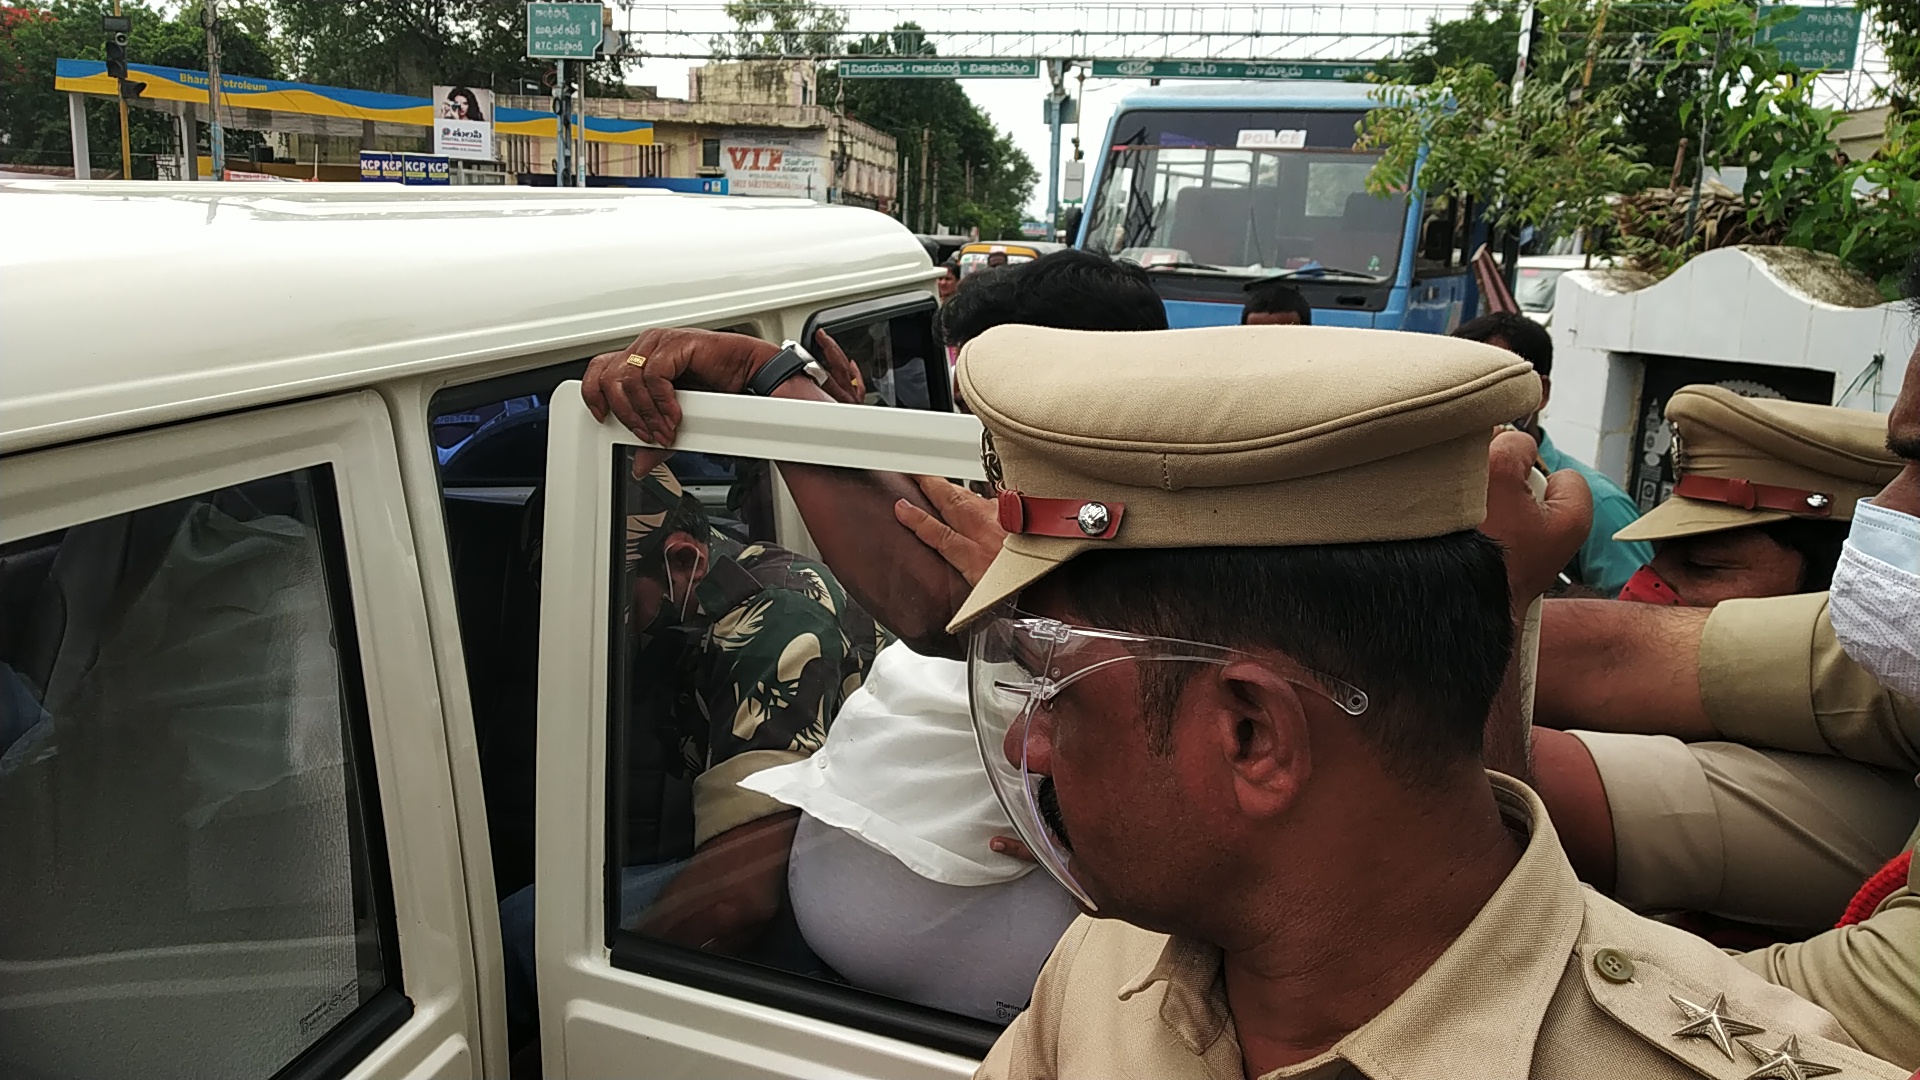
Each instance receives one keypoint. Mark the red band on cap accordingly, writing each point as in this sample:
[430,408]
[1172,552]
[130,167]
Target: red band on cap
[1748,495]
[1074,519]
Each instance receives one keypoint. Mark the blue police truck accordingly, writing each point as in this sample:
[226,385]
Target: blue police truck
[1213,186]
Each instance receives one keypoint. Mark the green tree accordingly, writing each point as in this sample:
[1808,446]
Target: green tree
[34,125]
[983,180]
[1620,38]
[1550,160]
[409,46]
[781,28]
[1897,24]
[1762,117]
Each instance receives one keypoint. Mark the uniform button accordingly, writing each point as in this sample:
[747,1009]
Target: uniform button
[1613,965]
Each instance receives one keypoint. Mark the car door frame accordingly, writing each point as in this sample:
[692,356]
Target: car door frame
[599,1016]
[62,486]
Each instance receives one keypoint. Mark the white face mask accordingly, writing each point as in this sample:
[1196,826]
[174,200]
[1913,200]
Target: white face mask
[1875,600]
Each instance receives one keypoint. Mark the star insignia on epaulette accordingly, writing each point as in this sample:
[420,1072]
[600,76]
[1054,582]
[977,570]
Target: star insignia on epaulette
[1712,1023]
[1784,1062]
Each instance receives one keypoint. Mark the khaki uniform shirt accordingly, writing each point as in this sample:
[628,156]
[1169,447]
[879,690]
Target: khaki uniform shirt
[1772,674]
[1550,980]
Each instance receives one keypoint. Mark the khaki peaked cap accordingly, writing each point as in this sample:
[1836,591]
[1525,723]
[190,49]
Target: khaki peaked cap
[1840,454]
[1236,436]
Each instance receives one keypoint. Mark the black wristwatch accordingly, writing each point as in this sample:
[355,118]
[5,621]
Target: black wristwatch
[792,359]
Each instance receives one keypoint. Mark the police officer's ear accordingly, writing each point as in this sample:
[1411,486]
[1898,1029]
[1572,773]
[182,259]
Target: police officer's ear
[1256,723]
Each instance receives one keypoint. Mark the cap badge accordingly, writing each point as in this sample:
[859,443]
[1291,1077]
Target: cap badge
[1093,518]
[990,460]
[1712,1023]
[1784,1062]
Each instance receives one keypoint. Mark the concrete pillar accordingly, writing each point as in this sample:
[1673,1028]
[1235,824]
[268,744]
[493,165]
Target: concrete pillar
[77,117]
[189,142]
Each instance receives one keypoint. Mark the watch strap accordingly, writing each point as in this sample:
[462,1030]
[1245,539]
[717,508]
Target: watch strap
[785,364]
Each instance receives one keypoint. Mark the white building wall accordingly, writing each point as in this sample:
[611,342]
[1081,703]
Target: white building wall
[1731,305]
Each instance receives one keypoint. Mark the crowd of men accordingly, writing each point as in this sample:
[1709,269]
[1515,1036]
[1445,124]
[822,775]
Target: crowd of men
[1207,742]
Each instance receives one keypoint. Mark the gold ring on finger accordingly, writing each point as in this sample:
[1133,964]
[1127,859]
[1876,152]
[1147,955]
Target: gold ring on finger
[637,361]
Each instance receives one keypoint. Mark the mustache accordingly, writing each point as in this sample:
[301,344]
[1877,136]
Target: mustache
[1048,799]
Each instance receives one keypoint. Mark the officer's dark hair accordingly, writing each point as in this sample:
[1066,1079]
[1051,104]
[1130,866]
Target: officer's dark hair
[1910,284]
[1274,297]
[1526,338]
[1423,627]
[1069,289]
[1818,543]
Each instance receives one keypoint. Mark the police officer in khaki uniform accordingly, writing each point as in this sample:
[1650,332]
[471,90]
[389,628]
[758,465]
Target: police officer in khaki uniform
[1230,673]
[1773,833]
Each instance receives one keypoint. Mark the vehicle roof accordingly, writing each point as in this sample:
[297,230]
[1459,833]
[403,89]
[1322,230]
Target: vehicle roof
[1301,94]
[126,304]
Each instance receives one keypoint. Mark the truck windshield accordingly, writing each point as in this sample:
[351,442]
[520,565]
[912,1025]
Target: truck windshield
[1245,192]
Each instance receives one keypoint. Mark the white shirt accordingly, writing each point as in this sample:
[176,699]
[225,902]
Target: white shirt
[901,770]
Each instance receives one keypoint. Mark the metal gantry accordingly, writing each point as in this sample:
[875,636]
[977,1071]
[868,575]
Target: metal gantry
[1283,30]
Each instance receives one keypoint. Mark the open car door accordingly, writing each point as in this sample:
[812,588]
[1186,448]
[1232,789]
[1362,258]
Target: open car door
[615,1001]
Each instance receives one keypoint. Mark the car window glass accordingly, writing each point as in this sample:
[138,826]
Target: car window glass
[790,788]
[192,880]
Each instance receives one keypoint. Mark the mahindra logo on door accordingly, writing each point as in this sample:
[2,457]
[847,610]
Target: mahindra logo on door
[756,158]
[1135,67]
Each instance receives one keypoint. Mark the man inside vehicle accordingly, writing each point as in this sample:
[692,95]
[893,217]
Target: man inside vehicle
[737,658]
[1605,562]
[896,880]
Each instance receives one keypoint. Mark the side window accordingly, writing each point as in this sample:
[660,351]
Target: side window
[795,800]
[709,153]
[892,341]
[192,873]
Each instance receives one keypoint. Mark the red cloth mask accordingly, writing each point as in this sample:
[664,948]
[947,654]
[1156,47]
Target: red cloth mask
[1646,586]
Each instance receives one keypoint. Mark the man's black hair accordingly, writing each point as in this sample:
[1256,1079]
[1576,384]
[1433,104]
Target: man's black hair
[1818,543]
[1274,297]
[1422,627]
[1068,289]
[1528,339]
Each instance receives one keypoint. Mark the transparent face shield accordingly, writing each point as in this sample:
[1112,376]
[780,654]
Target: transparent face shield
[1017,666]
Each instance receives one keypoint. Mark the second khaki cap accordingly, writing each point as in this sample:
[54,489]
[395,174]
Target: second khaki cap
[1239,436]
[1764,460]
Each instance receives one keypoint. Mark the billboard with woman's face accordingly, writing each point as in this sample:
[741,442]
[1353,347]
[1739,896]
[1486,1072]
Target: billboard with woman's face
[463,122]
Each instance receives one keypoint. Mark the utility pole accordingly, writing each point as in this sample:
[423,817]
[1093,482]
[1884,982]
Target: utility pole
[1527,16]
[1057,73]
[935,171]
[579,134]
[216,138]
[126,138]
[926,147]
[562,126]
[1700,155]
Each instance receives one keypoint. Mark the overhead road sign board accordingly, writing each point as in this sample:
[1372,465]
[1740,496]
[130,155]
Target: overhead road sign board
[1229,69]
[563,31]
[940,68]
[1815,38]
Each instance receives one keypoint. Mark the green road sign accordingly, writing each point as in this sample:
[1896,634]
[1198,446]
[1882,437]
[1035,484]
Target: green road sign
[563,31]
[1228,69]
[939,69]
[1816,38]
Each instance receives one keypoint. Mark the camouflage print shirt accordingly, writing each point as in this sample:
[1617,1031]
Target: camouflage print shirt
[770,649]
